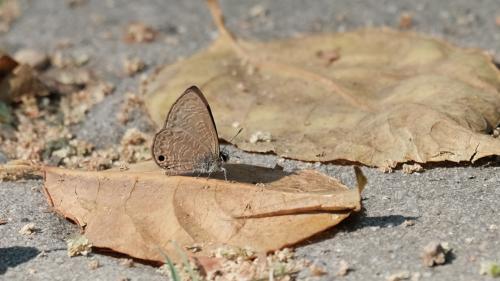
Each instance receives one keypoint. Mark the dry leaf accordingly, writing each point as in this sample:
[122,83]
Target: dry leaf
[392,97]
[78,245]
[140,210]
[7,65]
[434,254]
[18,80]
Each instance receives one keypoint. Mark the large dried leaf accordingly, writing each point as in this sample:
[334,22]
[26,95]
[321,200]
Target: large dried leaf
[388,97]
[139,211]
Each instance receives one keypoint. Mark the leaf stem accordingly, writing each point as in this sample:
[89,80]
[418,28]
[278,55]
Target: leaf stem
[277,67]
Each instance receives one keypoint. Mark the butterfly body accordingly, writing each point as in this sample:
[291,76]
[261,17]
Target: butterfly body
[188,142]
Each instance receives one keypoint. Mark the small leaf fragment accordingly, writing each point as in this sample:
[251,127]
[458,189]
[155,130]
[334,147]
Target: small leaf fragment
[78,245]
[435,254]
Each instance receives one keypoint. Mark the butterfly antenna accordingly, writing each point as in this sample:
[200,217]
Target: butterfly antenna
[239,131]
[224,154]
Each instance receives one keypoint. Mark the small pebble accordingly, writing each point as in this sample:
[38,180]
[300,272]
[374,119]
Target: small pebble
[28,229]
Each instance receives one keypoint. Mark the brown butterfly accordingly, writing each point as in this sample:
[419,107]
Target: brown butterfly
[188,142]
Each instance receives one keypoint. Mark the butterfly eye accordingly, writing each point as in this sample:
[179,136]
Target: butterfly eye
[161,158]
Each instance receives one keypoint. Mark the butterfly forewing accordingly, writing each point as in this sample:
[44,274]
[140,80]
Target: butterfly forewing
[188,141]
[192,113]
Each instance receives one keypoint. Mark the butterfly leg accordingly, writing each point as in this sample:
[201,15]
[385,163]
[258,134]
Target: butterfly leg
[225,172]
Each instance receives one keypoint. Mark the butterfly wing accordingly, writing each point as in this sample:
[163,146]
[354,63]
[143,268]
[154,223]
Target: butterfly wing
[188,140]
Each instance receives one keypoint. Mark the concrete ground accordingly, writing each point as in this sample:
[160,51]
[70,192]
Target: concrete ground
[457,205]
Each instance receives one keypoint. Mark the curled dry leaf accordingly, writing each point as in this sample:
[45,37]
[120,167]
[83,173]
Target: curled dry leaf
[140,210]
[78,245]
[391,97]
[434,254]
[18,80]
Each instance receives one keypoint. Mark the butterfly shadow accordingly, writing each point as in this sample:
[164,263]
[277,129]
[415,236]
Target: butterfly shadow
[251,174]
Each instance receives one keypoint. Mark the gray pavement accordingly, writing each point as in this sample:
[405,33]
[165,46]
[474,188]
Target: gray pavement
[458,205]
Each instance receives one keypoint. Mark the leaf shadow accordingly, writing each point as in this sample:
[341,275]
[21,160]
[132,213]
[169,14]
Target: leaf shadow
[450,257]
[251,174]
[16,255]
[361,220]
[358,221]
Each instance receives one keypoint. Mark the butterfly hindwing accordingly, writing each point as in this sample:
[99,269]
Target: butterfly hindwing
[177,151]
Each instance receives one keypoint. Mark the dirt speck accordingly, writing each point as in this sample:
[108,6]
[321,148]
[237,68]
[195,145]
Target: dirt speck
[405,20]
[127,262]
[343,268]
[28,229]
[94,264]
[398,276]
[138,32]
